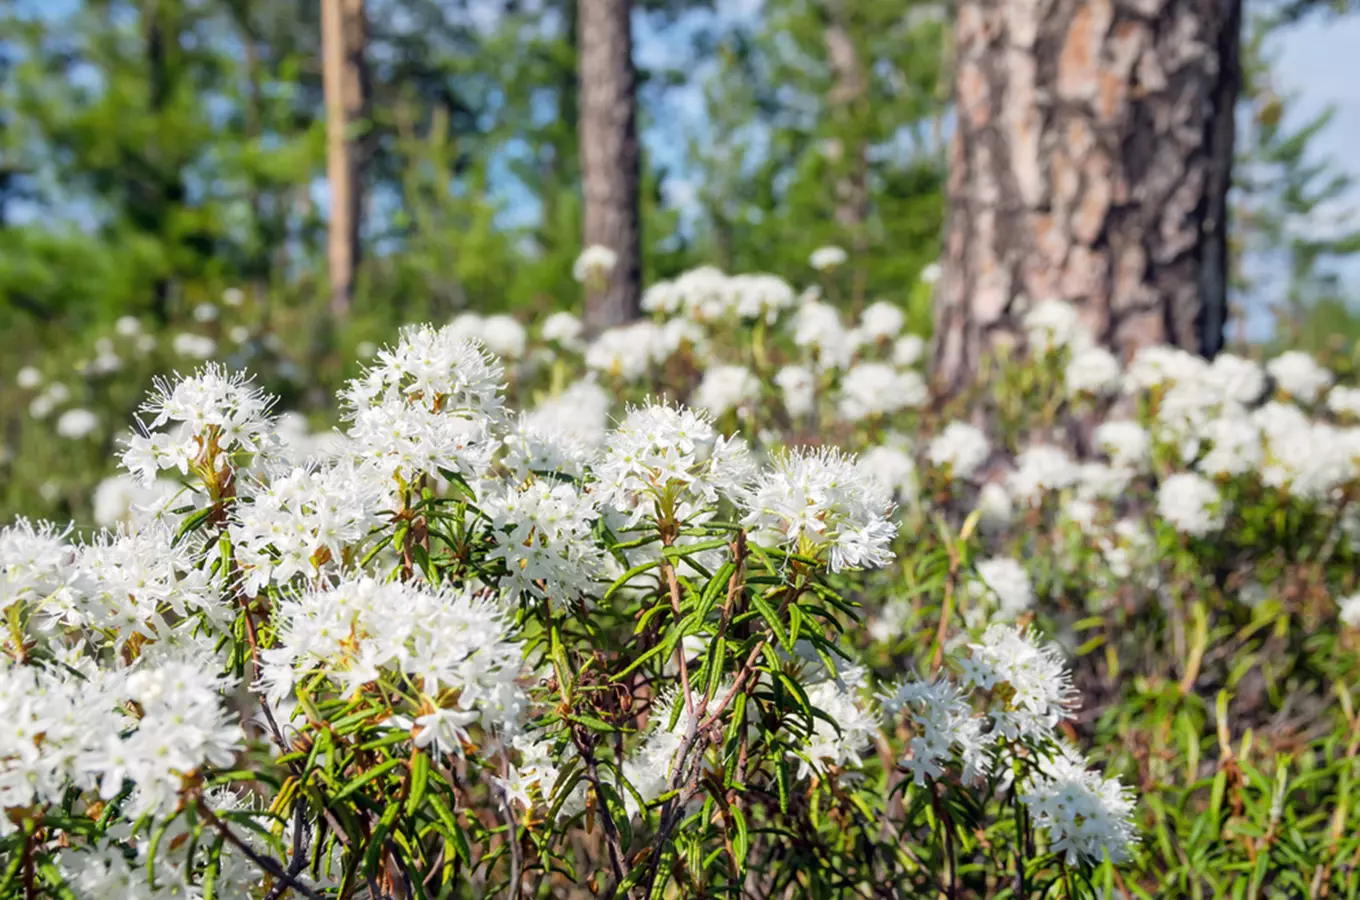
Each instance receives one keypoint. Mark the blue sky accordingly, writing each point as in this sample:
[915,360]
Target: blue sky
[1317,64]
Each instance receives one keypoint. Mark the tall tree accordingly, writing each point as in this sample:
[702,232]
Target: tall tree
[346,89]
[610,160]
[1091,160]
[847,150]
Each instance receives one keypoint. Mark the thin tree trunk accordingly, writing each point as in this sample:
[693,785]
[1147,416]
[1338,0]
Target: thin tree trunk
[847,100]
[345,83]
[610,165]
[169,191]
[1090,163]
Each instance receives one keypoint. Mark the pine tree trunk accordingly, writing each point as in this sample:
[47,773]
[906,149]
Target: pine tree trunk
[1090,163]
[609,156]
[345,83]
[847,99]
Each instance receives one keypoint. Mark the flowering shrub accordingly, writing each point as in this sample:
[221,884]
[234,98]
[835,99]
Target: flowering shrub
[818,633]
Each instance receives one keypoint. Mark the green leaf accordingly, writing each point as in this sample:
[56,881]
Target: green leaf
[420,774]
[377,771]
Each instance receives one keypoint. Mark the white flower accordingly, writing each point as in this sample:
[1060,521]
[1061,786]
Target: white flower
[1092,370]
[500,334]
[29,378]
[667,462]
[1005,583]
[127,583]
[1312,462]
[840,741]
[908,350]
[120,499]
[893,469]
[824,259]
[193,346]
[433,368]
[454,646]
[930,273]
[812,501]
[52,396]
[543,535]
[1127,443]
[960,448]
[205,312]
[127,326]
[1235,447]
[876,389]
[503,336]
[817,327]
[209,409]
[941,721]
[76,423]
[303,523]
[1053,324]
[34,562]
[579,414]
[426,406]
[1344,401]
[759,296]
[725,388]
[882,321]
[799,388]
[1191,504]
[1237,379]
[233,296]
[1089,817]
[1040,687]
[1039,469]
[1097,481]
[1159,364]
[1349,608]
[1299,375]
[630,350]
[994,507]
[563,328]
[594,265]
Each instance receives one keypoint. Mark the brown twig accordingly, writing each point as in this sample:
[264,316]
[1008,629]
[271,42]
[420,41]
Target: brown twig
[264,862]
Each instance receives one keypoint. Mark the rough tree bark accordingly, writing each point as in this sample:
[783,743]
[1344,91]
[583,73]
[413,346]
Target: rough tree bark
[1090,163]
[609,155]
[345,84]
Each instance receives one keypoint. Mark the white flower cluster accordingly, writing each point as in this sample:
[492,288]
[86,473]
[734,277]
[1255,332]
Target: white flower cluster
[1004,584]
[543,536]
[839,742]
[1024,689]
[877,389]
[217,419]
[960,449]
[304,523]
[670,463]
[818,502]
[1191,504]
[594,265]
[726,388]
[708,295]
[451,647]
[499,333]
[1088,817]
[428,405]
[77,725]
